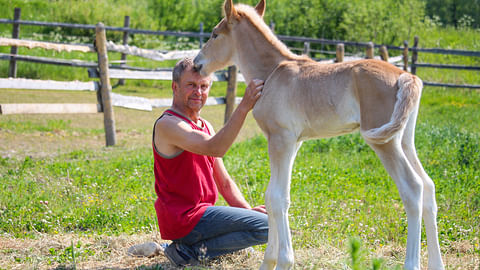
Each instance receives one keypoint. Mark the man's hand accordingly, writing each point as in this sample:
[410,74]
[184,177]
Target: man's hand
[252,94]
[260,208]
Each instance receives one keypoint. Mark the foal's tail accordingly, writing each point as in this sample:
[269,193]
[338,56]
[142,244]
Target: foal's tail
[408,96]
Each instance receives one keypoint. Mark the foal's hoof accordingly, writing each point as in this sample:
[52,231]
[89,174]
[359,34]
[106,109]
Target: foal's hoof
[148,249]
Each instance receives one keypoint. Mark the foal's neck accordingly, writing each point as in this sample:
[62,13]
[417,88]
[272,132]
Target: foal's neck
[259,52]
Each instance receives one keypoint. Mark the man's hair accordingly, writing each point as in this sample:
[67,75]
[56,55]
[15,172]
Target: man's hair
[182,65]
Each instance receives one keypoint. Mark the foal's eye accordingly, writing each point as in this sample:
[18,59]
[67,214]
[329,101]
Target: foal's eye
[214,36]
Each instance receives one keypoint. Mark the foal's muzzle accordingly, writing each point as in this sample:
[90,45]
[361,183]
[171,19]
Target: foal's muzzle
[197,68]
[196,63]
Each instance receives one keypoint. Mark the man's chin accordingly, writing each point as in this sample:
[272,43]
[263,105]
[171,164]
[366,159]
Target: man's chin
[196,106]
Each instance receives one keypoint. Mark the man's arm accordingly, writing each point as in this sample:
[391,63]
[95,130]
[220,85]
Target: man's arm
[229,190]
[178,134]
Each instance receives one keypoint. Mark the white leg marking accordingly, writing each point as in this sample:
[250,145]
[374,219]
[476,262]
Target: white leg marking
[282,148]
[271,253]
[429,202]
[410,187]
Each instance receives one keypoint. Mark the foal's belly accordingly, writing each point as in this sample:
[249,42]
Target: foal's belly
[309,112]
[328,130]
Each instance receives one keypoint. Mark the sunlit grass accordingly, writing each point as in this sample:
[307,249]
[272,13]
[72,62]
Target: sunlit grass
[339,187]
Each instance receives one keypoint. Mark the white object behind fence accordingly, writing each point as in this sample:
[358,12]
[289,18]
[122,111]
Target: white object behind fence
[55,108]
[11,83]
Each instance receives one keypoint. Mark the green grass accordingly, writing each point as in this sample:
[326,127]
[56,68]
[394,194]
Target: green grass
[85,192]
[449,38]
[340,190]
[339,187]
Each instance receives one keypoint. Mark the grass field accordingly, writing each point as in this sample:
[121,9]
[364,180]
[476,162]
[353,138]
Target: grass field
[63,193]
[68,202]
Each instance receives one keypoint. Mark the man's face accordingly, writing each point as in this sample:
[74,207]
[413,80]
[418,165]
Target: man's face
[192,90]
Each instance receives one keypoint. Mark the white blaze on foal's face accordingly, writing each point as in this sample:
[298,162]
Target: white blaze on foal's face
[217,53]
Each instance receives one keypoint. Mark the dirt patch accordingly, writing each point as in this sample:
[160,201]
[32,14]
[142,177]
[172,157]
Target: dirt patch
[99,252]
[85,132]
[110,252]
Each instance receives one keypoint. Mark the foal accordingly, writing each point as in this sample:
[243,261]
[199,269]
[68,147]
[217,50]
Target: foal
[303,99]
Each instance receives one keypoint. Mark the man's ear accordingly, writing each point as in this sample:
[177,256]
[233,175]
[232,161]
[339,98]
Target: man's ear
[174,86]
[230,11]
[260,8]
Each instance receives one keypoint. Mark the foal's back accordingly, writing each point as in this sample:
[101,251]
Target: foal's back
[326,100]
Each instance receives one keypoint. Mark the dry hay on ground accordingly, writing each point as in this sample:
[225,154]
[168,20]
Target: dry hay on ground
[99,252]
[110,252]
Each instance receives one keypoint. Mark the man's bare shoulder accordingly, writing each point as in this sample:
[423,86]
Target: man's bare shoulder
[173,135]
[167,131]
[169,123]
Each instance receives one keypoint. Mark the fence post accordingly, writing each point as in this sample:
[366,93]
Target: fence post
[106,87]
[272,26]
[340,53]
[231,92]
[306,48]
[126,24]
[414,55]
[370,50]
[12,70]
[201,35]
[405,55]
[384,53]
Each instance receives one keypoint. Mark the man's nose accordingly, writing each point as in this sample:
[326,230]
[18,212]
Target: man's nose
[198,90]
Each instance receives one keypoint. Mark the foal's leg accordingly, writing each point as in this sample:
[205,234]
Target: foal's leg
[282,148]
[410,187]
[271,253]
[429,203]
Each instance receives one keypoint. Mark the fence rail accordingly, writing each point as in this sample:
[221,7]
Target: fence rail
[104,71]
[108,28]
[201,35]
[46,60]
[101,71]
[452,85]
[16,83]
[448,66]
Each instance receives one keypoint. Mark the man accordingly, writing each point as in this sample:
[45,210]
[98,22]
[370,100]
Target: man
[189,170]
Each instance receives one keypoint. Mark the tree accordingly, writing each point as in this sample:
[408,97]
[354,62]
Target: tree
[458,13]
[384,22]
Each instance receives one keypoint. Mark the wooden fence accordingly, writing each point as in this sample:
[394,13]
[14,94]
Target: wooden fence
[104,71]
[104,87]
[411,65]
[101,70]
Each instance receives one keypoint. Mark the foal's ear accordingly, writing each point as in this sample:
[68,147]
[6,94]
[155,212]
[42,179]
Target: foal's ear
[260,8]
[230,11]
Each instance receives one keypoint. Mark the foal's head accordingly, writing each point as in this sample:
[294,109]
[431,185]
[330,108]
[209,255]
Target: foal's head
[218,52]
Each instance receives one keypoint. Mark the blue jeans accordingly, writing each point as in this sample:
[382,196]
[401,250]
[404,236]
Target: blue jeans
[223,230]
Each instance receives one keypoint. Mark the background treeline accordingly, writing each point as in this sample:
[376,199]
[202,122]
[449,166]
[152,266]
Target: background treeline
[386,21]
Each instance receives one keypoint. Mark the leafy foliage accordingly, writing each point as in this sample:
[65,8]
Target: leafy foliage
[368,20]
[186,15]
[387,22]
[459,13]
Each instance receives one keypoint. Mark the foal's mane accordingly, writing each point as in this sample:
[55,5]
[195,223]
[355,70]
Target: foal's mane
[252,16]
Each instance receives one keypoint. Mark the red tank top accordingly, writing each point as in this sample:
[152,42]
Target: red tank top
[185,187]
